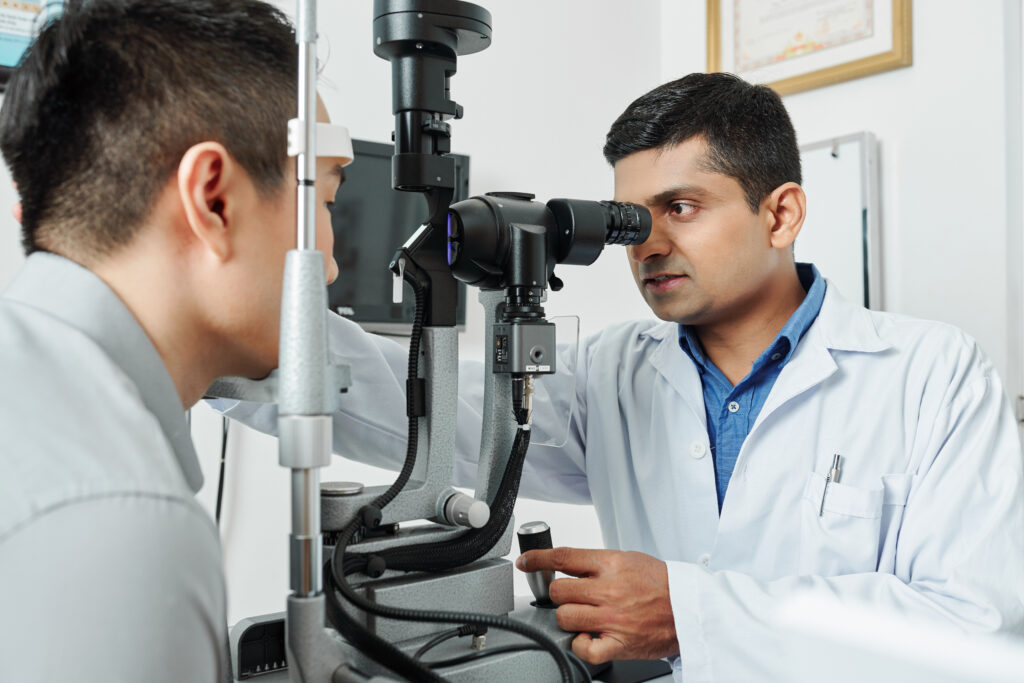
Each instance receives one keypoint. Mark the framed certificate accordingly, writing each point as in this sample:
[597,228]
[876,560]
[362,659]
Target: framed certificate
[20,22]
[796,45]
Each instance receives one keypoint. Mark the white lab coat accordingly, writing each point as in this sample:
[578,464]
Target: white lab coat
[928,516]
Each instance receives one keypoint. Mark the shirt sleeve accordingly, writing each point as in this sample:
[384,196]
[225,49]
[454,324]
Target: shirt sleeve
[963,522]
[371,425]
[114,588]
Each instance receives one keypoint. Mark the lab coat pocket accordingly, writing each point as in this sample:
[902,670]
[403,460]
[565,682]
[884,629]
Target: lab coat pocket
[841,536]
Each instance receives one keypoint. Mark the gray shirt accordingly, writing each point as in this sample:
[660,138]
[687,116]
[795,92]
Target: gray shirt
[109,568]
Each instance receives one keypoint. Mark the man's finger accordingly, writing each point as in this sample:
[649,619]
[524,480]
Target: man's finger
[572,561]
[580,618]
[597,650]
[577,591]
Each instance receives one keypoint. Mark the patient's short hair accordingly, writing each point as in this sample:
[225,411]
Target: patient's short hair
[111,94]
[748,132]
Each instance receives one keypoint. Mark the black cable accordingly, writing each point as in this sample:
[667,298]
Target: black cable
[471,545]
[480,654]
[505,649]
[578,663]
[223,459]
[412,442]
[339,580]
[466,548]
[437,640]
[378,649]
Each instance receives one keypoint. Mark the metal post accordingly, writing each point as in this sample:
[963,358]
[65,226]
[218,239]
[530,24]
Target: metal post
[305,36]
[304,422]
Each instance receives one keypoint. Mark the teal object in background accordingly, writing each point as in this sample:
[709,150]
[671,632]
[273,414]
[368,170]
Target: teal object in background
[18,28]
[11,48]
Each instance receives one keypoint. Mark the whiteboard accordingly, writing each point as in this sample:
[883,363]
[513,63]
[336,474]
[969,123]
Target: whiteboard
[841,233]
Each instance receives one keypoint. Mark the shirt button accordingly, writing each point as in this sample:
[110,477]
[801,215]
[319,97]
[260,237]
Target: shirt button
[776,356]
[733,406]
[704,560]
[698,449]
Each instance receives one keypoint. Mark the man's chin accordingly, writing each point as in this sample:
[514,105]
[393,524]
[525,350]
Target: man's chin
[681,315]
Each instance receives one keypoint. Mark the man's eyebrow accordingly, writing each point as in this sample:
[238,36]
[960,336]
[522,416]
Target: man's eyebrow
[675,191]
[338,172]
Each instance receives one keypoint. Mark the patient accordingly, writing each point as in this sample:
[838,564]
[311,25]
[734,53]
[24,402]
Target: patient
[148,144]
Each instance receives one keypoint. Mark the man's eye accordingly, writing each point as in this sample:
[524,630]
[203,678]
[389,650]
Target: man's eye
[682,208]
[330,206]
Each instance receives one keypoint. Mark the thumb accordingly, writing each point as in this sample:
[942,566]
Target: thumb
[596,650]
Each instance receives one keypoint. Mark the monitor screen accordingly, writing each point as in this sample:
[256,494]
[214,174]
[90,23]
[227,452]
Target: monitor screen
[371,220]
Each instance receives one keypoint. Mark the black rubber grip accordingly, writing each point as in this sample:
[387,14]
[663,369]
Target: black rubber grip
[416,397]
[536,541]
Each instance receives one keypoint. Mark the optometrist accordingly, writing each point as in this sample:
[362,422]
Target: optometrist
[769,438]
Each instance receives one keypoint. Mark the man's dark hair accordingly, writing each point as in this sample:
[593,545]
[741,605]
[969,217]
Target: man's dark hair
[749,134]
[110,96]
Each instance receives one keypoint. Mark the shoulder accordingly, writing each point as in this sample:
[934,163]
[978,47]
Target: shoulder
[930,341]
[924,355]
[944,359]
[74,424]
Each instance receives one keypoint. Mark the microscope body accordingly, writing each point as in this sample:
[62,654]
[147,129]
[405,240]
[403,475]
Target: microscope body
[507,245]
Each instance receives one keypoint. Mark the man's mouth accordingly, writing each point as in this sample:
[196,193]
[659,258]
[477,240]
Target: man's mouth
[663,282]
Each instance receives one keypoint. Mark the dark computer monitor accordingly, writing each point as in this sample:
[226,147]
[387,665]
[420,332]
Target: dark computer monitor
[371,221]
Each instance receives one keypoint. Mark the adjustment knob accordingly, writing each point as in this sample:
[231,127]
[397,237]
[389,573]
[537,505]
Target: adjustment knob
[537,536]
[466,511]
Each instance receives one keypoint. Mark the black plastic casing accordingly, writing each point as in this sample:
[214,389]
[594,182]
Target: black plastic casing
[505,239]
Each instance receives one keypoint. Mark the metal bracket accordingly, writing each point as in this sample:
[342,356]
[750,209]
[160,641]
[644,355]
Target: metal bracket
[266,390]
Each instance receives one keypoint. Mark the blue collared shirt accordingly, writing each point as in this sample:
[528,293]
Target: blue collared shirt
[732,410]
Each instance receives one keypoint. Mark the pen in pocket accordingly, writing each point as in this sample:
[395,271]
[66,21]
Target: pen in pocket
[833,476]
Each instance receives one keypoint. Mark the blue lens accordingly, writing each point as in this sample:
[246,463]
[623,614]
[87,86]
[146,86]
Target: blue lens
[449,239]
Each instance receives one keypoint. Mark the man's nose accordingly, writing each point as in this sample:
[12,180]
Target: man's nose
[655,246]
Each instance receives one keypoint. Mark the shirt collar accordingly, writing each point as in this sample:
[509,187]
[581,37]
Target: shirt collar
[785,342]
[78,297]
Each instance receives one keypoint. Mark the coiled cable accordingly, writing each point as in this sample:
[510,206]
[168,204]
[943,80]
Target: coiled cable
[436,556]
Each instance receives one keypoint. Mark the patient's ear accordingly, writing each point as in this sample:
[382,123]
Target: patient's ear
[207,178]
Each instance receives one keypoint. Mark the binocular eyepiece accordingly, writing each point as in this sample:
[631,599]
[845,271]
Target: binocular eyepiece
[505,239]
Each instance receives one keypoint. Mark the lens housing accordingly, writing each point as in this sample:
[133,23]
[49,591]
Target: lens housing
[505,239]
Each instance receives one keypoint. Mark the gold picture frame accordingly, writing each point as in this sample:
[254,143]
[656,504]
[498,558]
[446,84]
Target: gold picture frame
[900,54]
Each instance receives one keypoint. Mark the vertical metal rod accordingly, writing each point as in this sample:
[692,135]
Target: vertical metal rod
[306,547]
[305,36]
[307,544]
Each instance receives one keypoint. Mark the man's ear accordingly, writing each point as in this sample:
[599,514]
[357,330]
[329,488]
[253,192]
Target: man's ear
[787,206]
[206,174]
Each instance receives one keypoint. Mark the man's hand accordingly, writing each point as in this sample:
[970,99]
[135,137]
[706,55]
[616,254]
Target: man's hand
[619,604]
